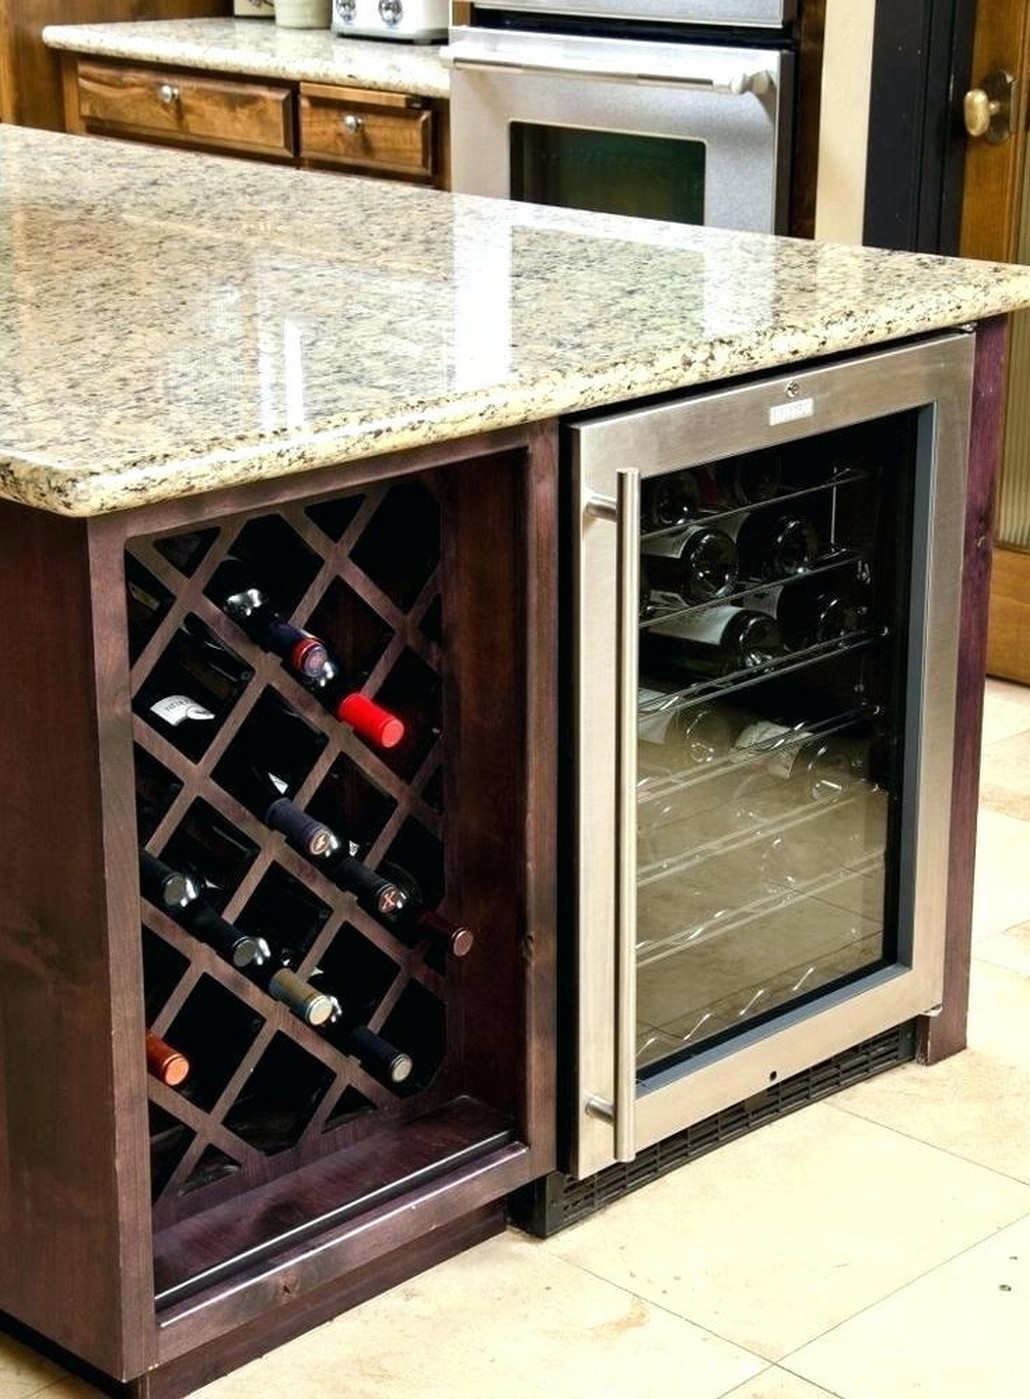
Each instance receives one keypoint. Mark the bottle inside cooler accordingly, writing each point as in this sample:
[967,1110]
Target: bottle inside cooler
[770,728]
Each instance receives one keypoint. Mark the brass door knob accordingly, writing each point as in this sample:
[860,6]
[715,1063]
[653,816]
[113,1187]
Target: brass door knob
[987,110]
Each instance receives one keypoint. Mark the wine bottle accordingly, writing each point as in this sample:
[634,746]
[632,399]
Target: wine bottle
[817,766]
[165,887]
[771,544]
[193,685]
[146,604]
[178,894]
[380,1058]
[164,1062]
[751,478]
[262,792]
[695,566]
[674,739]
[717,641]
[242,597]
[667,501]
[376,893]
[335,693]
[811,611]
[306,1002]
[414,919]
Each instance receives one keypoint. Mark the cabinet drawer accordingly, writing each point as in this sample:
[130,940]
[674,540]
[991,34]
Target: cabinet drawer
[213,112]
[387,133]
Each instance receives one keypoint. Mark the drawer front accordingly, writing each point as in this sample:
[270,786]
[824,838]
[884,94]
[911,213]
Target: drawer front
[214,112]
[379,132]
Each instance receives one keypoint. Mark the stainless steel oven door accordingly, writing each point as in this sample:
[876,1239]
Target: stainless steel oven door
[681,132]
[724,13]
[634,1089]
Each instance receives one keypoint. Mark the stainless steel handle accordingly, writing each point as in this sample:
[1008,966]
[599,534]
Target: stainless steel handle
[758,83]
[352,123]
[627,641]
[168,94]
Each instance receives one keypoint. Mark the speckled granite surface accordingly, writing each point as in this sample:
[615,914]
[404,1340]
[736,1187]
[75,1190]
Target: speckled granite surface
[170,322]
[261,48]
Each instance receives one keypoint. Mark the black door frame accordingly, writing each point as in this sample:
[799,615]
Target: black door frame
[922,59]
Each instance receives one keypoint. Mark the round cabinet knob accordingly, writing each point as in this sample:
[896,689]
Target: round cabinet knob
[977,108]
[352,123]
[391,11]
[168,94]
[344,10]
[987,109]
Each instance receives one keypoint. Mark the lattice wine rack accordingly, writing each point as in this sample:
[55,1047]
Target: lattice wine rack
[361,572]
[292,1172]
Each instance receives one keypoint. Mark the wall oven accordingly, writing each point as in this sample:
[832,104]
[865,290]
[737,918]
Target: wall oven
[764,614]
[669,109]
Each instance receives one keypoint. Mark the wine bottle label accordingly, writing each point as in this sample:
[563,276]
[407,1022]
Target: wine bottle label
[652,728]
[278,783]
[766,600]
[707,627]
[776,745]
[671,546]
[176,709]
[141,595]
[244,604]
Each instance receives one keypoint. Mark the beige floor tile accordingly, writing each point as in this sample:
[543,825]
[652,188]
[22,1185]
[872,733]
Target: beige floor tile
[779,1236]
[775,1383]
[502,1321]
[22,1371]
[69,1388]
[1010,949]
[1005,776]
[1002,886]
[1006,710]
[973,1105]
[961,1332]
[999,1013]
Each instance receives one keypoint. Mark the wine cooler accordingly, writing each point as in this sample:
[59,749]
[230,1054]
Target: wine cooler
[766,593]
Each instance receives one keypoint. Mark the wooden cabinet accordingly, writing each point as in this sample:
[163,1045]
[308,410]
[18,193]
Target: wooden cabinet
[394,135]
[383,133]
[152,105]
[167,1233]
[30,73]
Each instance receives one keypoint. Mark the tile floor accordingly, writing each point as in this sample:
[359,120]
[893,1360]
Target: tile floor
[873,1246]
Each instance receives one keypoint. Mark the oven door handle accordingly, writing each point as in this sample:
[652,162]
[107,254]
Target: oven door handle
[624,510]
[760,82]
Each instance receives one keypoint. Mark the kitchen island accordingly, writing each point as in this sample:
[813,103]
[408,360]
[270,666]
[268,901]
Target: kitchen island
[208,365]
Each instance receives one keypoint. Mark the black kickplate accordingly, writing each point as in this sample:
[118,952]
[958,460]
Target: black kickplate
[555,1201]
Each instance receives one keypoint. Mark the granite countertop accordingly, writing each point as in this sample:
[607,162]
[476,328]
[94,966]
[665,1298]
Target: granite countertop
[171,323]
[259,48]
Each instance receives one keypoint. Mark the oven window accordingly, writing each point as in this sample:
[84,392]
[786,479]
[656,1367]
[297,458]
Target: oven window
[609,172]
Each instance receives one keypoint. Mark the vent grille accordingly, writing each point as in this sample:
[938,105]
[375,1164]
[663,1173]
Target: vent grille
[557,1201]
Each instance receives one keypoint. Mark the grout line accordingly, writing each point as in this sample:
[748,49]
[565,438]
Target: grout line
[902,1287]
[934,1146]
[816,1388]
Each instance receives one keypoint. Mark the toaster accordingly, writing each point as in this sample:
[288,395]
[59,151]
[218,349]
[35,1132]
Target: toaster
[418,21]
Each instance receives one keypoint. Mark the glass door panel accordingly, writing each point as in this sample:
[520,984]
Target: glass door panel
[773,646]
[609,172]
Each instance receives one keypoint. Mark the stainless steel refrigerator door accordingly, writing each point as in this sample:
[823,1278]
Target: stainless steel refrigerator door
[731,103]
[616,1115]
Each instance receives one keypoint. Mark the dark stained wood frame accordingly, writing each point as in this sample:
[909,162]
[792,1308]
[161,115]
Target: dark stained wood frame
[78,1248]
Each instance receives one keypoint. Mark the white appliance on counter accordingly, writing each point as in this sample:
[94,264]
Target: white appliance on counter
[670,109]
[417,21]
